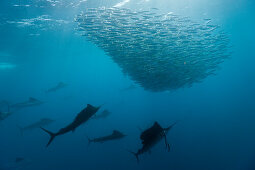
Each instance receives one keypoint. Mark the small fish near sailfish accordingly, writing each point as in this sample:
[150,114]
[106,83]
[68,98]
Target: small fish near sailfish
[114,136]
[151,137]
[59,86]
[105,113]
[80,119]
[38,124]
[5,114]
[29,103]
[21,163]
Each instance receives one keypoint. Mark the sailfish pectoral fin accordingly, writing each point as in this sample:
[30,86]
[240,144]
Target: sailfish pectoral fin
[166,143]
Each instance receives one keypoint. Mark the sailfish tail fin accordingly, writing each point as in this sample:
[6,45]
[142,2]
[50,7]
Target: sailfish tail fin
[52,136]
[89,140]
[135,154]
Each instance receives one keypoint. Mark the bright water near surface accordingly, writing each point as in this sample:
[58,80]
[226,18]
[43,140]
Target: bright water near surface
[190,62]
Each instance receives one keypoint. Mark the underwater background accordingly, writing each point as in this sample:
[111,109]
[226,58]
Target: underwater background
[215,129]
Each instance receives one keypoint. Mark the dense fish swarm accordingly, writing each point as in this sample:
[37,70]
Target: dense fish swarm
[158,51]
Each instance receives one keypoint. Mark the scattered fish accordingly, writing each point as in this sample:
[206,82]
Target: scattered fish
[17,5]
[80,119]
[64,5]
[105,113]
[114,136]
[29,103]
[39,23]
[42,122]
[151,137]
[59,86]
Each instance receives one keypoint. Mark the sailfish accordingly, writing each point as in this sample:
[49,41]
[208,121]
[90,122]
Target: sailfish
[80,119]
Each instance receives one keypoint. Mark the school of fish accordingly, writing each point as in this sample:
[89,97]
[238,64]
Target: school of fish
[160,52]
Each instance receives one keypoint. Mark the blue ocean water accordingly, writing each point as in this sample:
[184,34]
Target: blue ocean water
[215,129]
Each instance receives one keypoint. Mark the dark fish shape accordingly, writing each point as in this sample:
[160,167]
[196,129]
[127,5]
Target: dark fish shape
[80,119]
[5,114]
[105,113]
[59,86]
[20,163]
[19,159]
[114,136]
[151,137]
[29,103]
[38,124]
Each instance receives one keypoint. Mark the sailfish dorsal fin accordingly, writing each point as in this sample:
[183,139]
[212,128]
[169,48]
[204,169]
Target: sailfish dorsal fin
[90,106]
[115,132]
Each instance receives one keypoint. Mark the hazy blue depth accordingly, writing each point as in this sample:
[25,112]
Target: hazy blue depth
[215,129]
